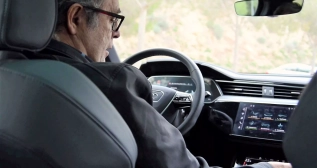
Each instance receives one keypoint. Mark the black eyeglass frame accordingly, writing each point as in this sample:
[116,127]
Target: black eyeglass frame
[117,16]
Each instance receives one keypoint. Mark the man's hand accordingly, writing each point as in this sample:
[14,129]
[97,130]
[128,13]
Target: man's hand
[280,165]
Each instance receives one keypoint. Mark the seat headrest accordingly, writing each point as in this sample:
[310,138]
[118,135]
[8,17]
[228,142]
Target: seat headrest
[27,24]
[300,139]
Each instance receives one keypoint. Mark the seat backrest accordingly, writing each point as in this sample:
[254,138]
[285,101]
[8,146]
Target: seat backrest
[51,115]
[300,141]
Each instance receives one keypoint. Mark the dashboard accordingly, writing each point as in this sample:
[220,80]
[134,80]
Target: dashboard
[259,106]
[268,99]
[261,118]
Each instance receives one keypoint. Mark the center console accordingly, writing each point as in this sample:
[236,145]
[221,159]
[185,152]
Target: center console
[259,125]
[266,121]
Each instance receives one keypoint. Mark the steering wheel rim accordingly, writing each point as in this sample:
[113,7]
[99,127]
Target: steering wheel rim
[199,95]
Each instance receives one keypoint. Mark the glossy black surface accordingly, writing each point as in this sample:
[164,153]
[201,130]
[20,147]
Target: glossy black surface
[230,108]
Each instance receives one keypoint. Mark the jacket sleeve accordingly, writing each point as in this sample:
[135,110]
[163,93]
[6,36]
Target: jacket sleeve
[160,144]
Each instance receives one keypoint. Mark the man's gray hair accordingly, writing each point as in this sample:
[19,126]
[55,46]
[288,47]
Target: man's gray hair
[63,6]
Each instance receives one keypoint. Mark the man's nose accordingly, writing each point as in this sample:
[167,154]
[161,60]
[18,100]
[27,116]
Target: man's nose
[116,34]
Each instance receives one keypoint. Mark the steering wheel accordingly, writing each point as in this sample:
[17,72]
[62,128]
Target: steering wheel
[166,99]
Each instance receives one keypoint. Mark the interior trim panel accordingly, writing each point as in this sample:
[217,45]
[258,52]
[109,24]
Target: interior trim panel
[261,100]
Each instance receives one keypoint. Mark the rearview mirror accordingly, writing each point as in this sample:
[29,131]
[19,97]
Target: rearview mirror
[267,7]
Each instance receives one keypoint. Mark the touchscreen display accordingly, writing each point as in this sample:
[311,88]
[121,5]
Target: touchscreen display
[262,120]
[251,161]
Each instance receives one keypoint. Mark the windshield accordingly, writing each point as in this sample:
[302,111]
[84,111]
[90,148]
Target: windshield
[210,31]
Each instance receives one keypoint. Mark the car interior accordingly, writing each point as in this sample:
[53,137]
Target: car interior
[51,115]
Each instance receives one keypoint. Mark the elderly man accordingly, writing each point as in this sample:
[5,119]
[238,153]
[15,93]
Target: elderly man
[84,32]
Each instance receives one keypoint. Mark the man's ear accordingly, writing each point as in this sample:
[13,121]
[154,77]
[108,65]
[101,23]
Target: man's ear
[75,18]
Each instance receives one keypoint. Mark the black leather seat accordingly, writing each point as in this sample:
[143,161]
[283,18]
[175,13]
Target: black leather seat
[51,115]
[300,141]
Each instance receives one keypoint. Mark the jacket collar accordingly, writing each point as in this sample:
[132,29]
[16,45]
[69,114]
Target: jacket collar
[61,49]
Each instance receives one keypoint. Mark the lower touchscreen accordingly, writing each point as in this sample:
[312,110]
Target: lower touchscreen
[251,161]
[262,120]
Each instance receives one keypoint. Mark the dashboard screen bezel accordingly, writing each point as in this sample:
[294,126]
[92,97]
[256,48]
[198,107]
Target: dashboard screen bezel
[259,134]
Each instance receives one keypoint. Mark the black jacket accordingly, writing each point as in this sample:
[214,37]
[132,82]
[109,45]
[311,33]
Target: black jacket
[160,144]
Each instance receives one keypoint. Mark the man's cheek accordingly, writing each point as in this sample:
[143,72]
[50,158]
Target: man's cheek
[107,41]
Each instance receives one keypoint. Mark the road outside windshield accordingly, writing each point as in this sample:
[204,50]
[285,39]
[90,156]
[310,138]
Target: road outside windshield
[210,31]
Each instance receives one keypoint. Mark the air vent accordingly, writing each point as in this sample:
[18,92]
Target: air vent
[288,92]
[255,89]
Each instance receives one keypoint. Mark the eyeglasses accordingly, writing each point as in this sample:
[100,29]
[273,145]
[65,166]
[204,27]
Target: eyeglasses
[117,19]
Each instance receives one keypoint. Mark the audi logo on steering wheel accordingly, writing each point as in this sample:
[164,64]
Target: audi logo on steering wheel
[154,95]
